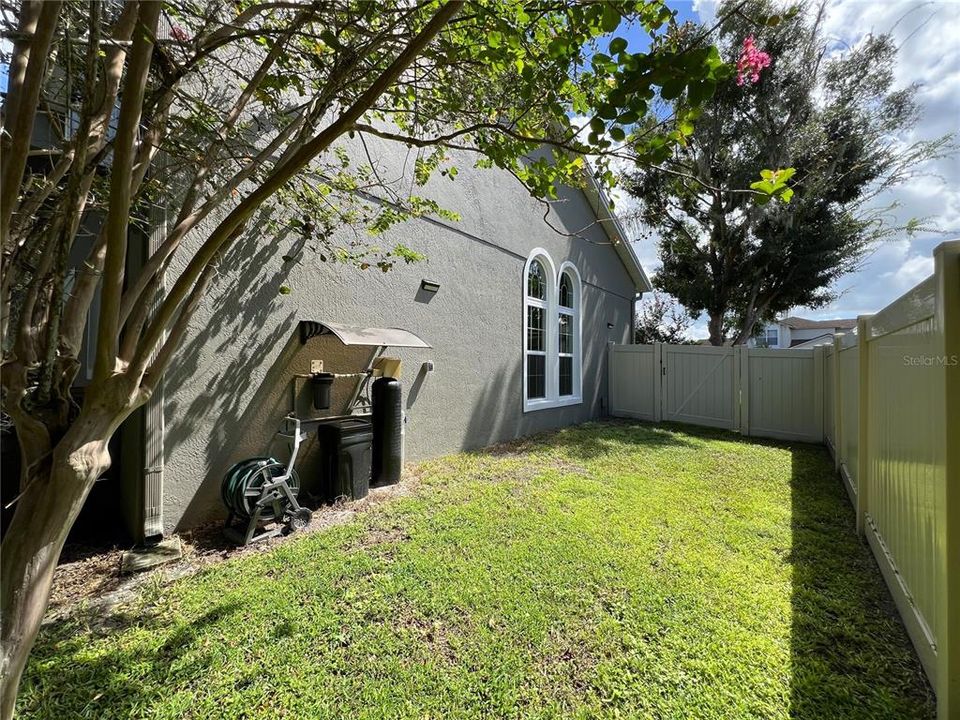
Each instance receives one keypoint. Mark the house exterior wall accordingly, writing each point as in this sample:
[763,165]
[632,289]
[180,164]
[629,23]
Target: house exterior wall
[232,381]
[783,336]
[788,336]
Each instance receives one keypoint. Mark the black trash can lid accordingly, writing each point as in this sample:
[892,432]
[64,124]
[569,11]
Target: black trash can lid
[345,427]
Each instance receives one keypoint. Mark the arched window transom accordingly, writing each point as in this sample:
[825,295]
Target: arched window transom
[566,316]
[537,281]
[566,291]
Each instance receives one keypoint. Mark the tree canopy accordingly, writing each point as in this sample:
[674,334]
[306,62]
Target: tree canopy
[659,319]
[834,121]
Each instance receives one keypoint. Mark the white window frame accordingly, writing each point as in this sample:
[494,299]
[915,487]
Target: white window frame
[550,332]
[551,309]
[764,340]
[576,317]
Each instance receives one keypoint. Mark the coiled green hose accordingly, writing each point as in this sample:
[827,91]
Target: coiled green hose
[241,486]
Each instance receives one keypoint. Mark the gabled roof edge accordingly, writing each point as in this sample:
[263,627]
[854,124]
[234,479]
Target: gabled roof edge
[615,231]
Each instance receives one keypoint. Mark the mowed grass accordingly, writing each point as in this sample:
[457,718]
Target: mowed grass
[608,570]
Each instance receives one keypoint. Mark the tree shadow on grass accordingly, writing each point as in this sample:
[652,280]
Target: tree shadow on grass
[850,654]
[68,679]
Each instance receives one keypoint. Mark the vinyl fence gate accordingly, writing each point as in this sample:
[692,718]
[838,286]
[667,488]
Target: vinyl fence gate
[763,393]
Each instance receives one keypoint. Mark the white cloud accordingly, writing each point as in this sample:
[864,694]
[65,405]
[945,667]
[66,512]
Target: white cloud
[929,55]
[911,271]
[706,9]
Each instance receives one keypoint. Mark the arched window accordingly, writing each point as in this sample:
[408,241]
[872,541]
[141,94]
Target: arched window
[569,343]
[537,329]
[551,333]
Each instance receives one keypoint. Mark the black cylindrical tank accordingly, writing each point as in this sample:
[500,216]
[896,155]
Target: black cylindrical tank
[387,422]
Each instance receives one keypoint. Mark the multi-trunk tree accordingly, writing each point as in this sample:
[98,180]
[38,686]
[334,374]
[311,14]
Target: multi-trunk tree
[214,112]
[835,119]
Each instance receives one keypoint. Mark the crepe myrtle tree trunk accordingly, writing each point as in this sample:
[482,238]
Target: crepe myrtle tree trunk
[55,484]
[62,456]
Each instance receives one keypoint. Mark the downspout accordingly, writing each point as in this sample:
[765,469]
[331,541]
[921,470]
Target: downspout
[141,435]
[153,420]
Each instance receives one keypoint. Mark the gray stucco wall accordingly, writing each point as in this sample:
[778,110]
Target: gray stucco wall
[231,382]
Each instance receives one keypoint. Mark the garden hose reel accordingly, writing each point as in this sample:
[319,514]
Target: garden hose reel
[262,490]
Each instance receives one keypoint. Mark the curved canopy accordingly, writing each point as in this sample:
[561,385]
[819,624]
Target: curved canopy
[350,335]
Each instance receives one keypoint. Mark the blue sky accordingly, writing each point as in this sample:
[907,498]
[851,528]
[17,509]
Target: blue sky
[638,40]
[928,35]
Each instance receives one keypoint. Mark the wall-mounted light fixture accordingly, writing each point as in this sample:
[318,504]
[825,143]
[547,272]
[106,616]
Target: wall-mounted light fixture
[429,286]
[609,326]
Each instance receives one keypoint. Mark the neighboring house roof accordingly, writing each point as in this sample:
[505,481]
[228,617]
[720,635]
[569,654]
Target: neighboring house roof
[798,323]
[812,342]
[600,204]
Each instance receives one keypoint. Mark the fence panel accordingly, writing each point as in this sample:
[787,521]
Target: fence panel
[829,400]
[699,385]
[784,395]
[632,378]
[849,410]
[905,460]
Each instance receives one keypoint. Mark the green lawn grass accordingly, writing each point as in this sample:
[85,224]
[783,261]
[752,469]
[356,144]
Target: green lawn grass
[608,570]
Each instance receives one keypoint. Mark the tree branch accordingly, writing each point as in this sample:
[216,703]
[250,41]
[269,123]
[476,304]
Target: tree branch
[118,214]
[221,236]
[26,94]
[156,262]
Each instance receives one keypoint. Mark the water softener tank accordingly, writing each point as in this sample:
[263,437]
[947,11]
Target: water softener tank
[387,422]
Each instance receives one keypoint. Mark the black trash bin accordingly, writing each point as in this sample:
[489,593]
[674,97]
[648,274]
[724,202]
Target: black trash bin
[345,455]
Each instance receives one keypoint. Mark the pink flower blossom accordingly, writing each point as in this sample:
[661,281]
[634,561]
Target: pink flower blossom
[751,62]
[179,34]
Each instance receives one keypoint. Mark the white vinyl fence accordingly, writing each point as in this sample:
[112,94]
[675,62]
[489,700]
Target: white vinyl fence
[632,369]
[764,393]
[699,385]
[885,401]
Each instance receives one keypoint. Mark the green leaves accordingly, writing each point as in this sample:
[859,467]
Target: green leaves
[610,20]
[672,89]
[503,65]
[330,38]
[775,19]
[699,91]
[608,111]
[773,184]
[617,45]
